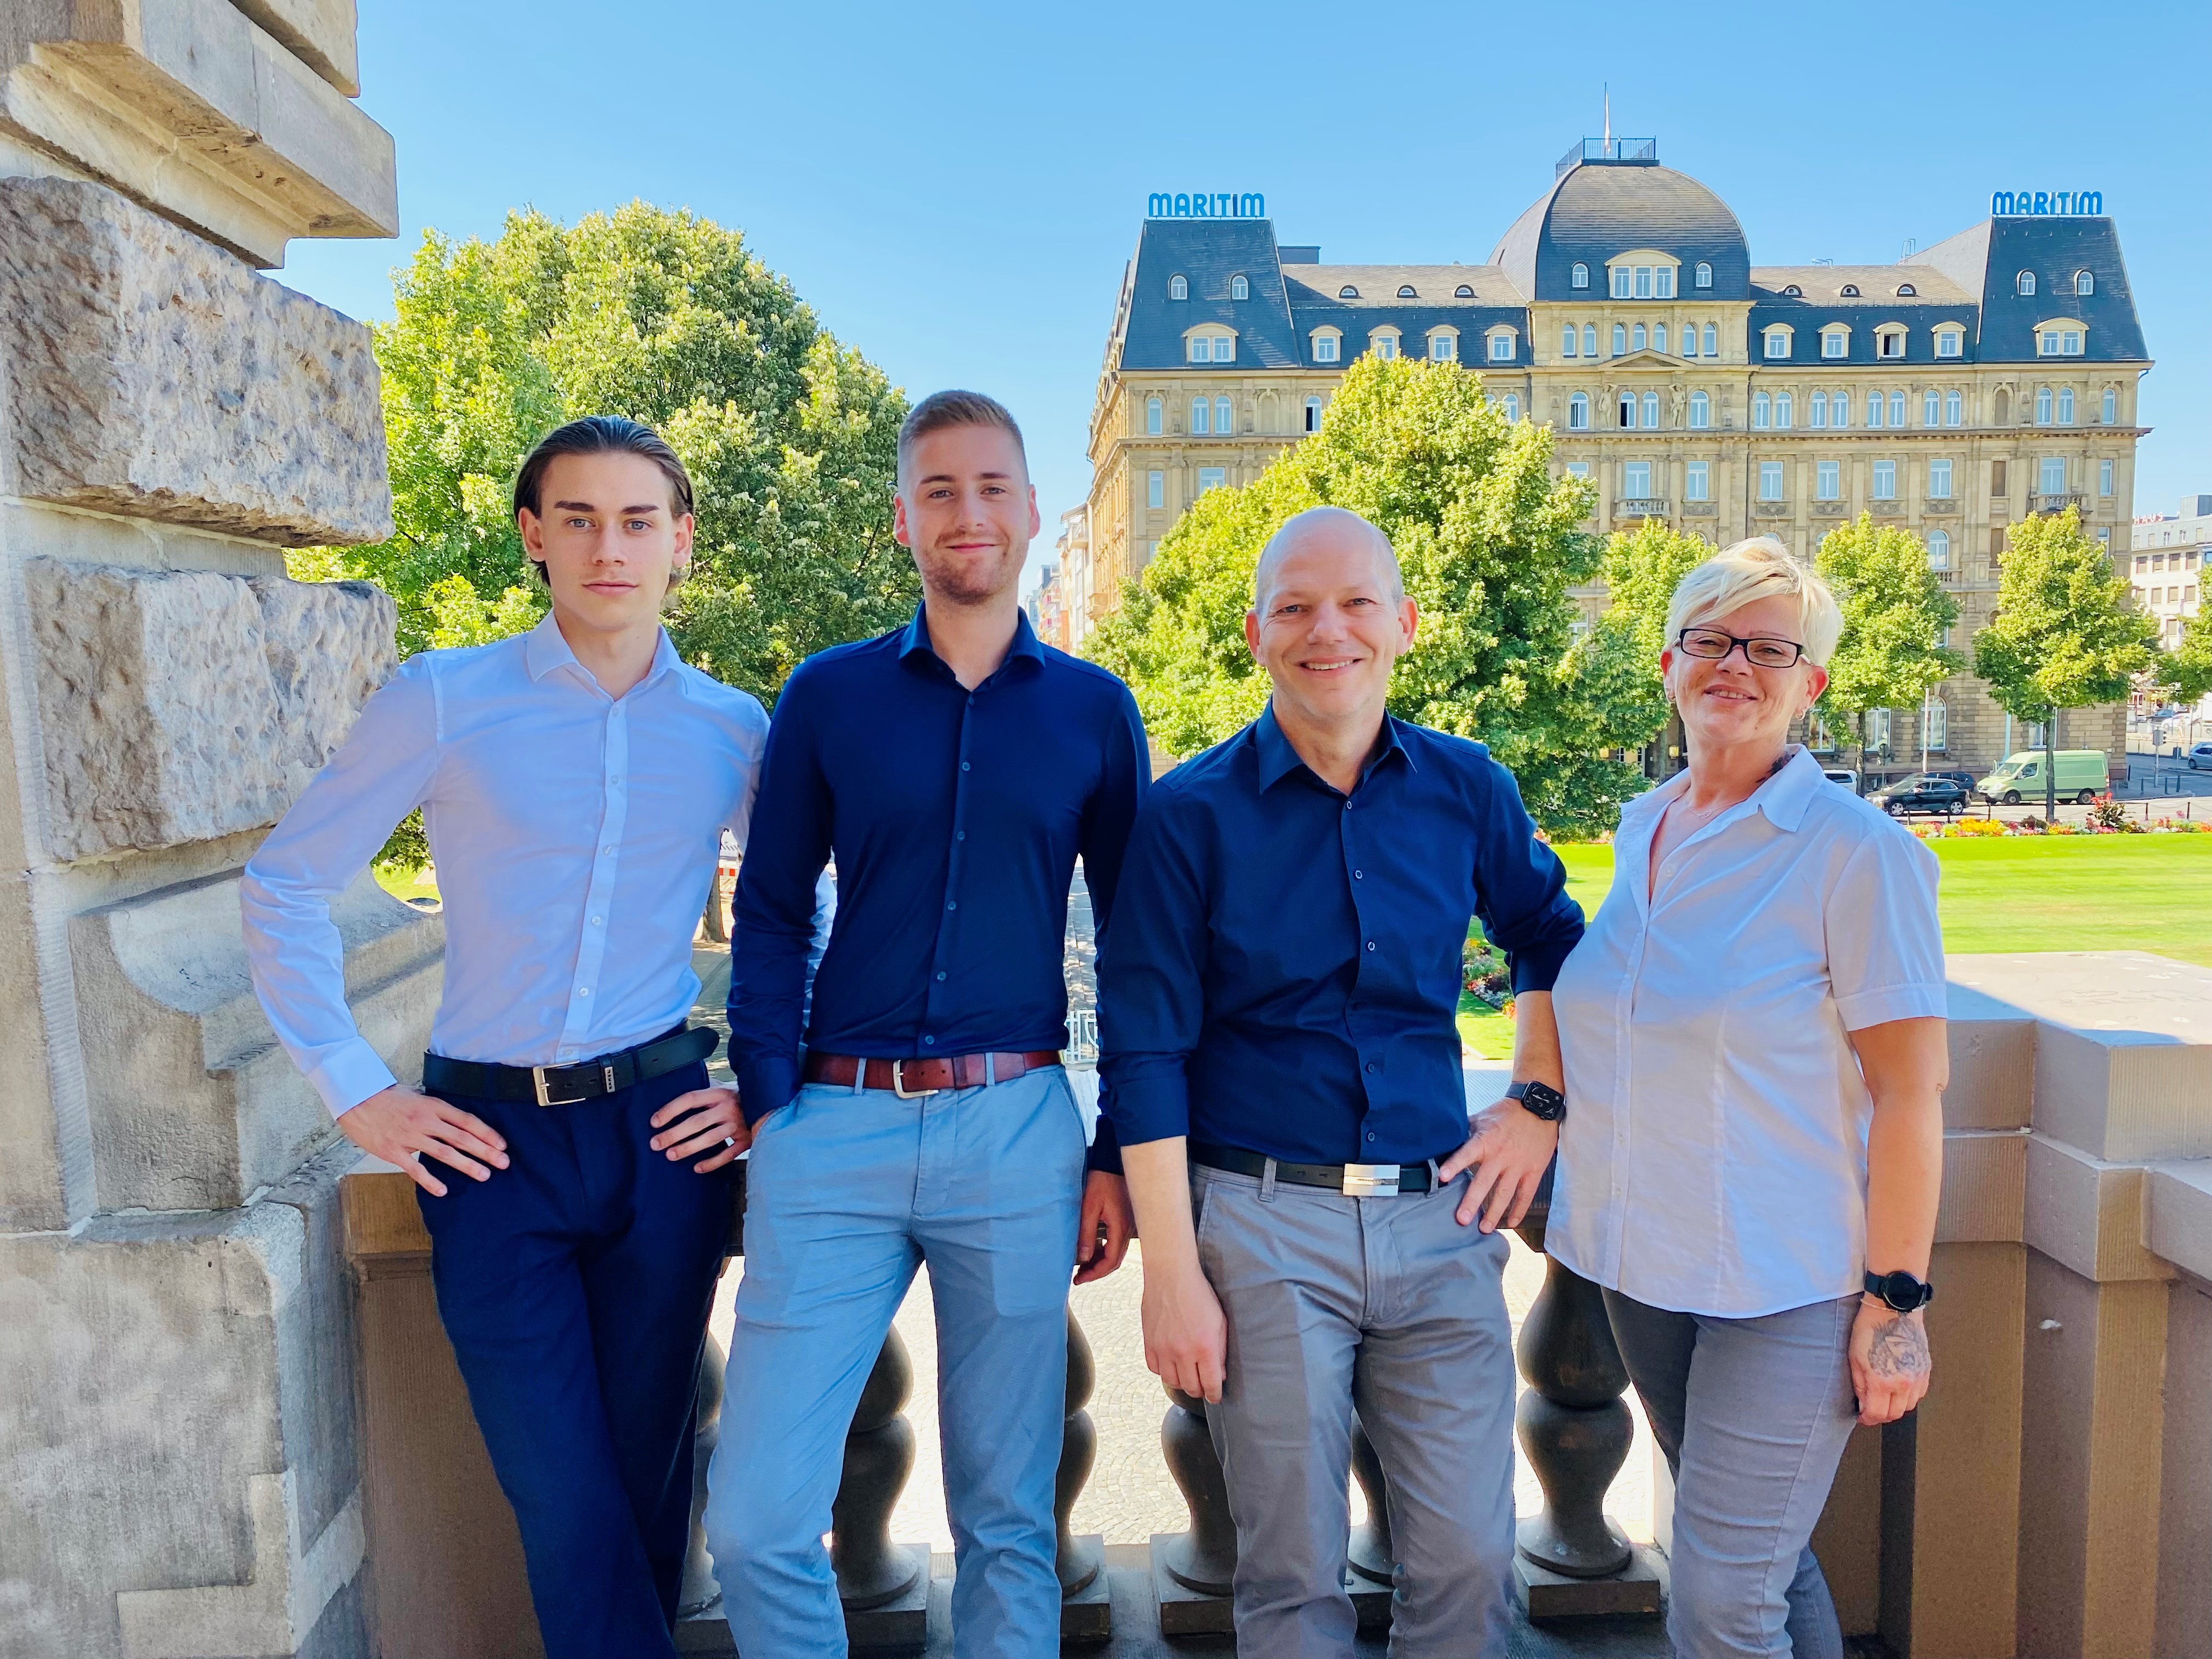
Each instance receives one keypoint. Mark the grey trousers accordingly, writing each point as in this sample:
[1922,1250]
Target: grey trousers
[1752,1415]
[1389,1304]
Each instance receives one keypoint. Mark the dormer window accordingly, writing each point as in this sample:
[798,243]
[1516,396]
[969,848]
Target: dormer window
[1348,292]
[1240,287]
[1444,345]
[1949,342]
[1504,344]
[1463,292]
[1210,342]
[1383,343]
[1778,341]
[1406,291]
[2085,283]
[1178,287]
[1907,291]
[1835,341]
[1851,290]
[1705,275]
[1579,277]
[1328,346]
[1889,341]
[2024,284]
[1793,291]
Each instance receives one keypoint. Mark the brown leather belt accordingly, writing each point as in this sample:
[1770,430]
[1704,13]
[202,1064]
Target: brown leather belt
[909,1078]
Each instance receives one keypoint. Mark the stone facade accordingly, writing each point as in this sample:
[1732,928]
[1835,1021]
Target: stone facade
[180,1467]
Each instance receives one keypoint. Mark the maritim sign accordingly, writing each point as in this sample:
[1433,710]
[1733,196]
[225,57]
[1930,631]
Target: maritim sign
[1225,204]
[2013,204]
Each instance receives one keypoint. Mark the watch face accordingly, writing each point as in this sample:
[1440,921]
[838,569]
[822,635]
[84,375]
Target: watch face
[1542,1098]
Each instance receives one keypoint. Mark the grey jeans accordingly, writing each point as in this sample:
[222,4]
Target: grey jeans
[1752,1415]
[1389,1304]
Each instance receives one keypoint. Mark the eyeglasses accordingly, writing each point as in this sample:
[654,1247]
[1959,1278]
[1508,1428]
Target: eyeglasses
[1714,646]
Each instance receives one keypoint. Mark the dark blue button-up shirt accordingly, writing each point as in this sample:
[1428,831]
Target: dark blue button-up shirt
[1285,962]
[956,818]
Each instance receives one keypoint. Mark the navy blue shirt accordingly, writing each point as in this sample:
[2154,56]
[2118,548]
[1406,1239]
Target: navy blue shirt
[1284,964]
[954,819]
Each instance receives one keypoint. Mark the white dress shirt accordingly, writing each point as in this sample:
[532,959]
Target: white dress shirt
[1714,1155]
[575,837]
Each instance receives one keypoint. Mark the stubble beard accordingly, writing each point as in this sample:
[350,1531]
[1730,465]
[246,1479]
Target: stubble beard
[958,582]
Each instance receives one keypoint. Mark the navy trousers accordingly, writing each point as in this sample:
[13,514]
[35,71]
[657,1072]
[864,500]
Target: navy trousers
[575,1286]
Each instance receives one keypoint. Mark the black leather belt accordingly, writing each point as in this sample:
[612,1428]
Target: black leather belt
[1352,1180]
[564,1086]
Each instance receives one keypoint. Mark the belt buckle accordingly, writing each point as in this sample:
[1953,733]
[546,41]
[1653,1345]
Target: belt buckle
[1370,1180]
[898,1083]
[537,1081]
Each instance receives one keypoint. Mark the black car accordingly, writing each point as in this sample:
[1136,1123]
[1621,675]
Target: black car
[1966,780]
[1925,791]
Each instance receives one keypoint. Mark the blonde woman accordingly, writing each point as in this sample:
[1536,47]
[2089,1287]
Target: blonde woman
[1754,1044]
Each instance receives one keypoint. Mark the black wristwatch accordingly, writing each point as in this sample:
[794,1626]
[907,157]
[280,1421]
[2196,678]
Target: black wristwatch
[1900,1289]
[1540,1098]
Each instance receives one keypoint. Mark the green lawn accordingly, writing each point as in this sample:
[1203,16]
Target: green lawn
[406,884]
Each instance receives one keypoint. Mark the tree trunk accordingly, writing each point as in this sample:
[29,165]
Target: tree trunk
[2050,766]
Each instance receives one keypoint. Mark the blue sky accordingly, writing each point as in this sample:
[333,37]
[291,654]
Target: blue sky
[955,188]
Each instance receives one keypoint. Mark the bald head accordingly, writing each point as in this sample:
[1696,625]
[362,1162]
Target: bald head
[1326,531]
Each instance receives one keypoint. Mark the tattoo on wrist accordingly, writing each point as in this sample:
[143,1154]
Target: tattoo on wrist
[1900,1348]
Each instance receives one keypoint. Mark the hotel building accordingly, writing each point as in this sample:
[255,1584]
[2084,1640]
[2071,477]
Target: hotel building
[1990,376]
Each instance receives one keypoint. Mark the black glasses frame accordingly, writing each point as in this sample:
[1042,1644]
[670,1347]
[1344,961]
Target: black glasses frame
[1796,650]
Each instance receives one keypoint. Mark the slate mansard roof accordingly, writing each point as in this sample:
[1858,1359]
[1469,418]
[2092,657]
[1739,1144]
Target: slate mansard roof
[1593,212]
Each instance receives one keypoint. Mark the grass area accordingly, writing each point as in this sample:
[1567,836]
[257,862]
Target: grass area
[406,884]
[2026,893]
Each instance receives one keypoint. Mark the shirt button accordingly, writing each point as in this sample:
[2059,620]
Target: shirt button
[959,835]
[952,904]
[963,766]
[929,1043]
[585,992]
[1370,1136]
[940,976]
[595,921]
[1372,1068]
[1359,875]
[1371,943]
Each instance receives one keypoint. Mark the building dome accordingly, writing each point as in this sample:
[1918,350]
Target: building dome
[1595,210]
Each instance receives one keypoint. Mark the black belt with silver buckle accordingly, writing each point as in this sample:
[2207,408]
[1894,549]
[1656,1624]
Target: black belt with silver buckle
[1352,1180]
[565,1085]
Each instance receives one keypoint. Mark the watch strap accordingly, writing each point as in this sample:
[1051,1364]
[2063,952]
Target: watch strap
[1899,1291]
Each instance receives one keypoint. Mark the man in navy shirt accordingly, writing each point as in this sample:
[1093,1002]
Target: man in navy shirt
[1318,1210]
[954,770]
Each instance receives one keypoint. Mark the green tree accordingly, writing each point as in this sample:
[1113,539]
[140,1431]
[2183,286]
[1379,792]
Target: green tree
[2065,634]
[1489,544]
[789,436]
[2184,673]
[1617,663]
[1891,653]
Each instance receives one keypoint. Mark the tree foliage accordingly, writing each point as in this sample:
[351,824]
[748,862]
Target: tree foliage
[1489,545]
[667,319]
[1891,653]
[2184,673]
[1617,662]
[2065,634]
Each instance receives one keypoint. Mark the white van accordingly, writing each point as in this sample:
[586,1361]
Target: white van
[2083,774]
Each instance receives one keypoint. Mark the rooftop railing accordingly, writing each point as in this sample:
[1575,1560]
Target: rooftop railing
[1608,149]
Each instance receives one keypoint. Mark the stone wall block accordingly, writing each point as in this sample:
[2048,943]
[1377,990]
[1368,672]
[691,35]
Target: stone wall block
[149,374]
[319,32]
[178,706]
[193,1105]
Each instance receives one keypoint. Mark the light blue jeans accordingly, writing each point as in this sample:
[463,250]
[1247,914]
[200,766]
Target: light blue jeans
[849,1192]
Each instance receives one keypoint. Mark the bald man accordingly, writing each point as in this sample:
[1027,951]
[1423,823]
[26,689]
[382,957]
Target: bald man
[1320,1213]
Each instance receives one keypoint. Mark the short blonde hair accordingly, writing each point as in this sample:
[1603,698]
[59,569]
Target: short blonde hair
[1758,568]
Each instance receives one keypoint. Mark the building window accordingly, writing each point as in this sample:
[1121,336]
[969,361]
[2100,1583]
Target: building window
[1443,346]
[1835,342]
[1897,408]
[1697,482]
[1348,292]
[1201,349]
[1384,344]
[1578,412]
[1578,469]
[2104,477]
[1885,481]
[1155,418]
[1156,489]
[1931,408]
[1663,279]
[1873,410]
[2084,282]
[1178,287]
[1851,290]
[1619,340]
[1905,290]
[1948,342]
[1589,339]
[1762,410]
[1325,345]
[1212,477]
[2024,284]
[1639,341]
[1645,289]
[1463,292]
[1839,409]
[2065,405]
[1936,718]
[1651,411]
[1954,408]
[1939,550]
[1793,290]
[1579,277]
[1313,413]
[1777,342]
[1567,342]
[1628,411]
[2043,405]
[1623,277]
[2111,406]
[1818,419]
[1224,420]
[1939,481]
[1512,406]
[1701,410]
[1704,277]
[1240,287]
[1201,416]
[1636,481]
[1827,480]
[1224,347]
[1406,291]
[1785,411]
[1770,481]
[1712,335]
[1689,339]
[2059,343]
[1501,348]
[2052,475]
[1658,336]
[1890,344]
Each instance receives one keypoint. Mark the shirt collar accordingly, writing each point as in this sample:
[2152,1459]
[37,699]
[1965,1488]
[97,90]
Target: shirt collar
[545,649]
[1785,797]
[1278,760]
[913,639]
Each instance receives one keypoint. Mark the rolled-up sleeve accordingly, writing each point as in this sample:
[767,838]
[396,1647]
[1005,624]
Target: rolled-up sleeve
[1151,970]
[1521,889]
[1885,939]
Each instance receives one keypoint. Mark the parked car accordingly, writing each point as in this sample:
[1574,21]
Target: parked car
[2083,774]
[2200,758]
[1842,774]
[1964,779]
[1924,791]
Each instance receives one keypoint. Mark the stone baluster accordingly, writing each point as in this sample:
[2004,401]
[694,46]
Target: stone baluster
[1192,1572]
[700,1590]
[1576,1430]
[1086,1613]
[872,1571]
